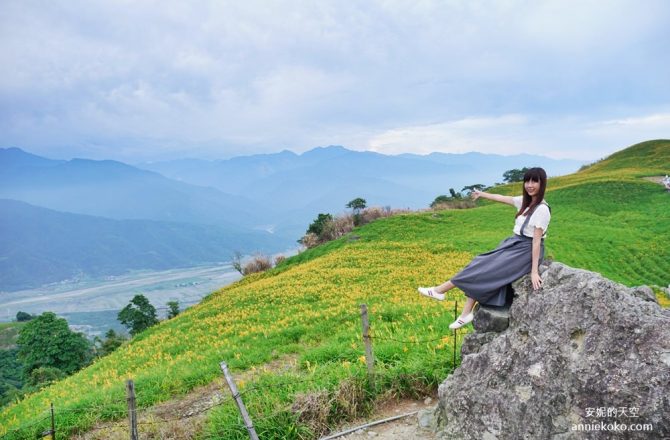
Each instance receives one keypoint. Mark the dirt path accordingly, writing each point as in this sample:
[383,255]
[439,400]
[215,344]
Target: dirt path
[406,428]
[655,179]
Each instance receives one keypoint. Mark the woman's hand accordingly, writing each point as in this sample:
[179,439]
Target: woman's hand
[537,281]
[475,194]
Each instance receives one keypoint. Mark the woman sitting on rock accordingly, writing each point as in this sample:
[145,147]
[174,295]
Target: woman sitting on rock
[486,278]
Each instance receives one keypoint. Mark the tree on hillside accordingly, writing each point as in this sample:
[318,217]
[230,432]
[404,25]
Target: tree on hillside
[453,201]
[11,375]
[357,205]
[237,261]
[318,224]
[23,316]
[138,315]
[514,175]
[111,342]
[477,186]
[47,341]
[173,309]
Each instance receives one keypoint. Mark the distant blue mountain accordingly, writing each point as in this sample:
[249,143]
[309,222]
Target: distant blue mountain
[298,187]
[115,190]
[39,245]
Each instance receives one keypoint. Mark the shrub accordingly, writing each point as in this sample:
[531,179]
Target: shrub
[453,204]
[309,240]
[371,214]
[259,263]
[279,260]
[336,228]
[43,376]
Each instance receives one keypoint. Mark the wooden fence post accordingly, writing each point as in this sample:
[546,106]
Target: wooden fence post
[238,400]
[453,357]
[132,409]
[53,423]
[369,357]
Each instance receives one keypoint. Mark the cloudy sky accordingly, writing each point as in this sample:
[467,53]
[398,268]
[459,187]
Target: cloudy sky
[150,80]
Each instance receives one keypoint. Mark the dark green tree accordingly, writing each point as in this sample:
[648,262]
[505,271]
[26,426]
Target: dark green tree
[11,375]
[478,186]
[514,175]
[111,342]
[23,316]
[47,341]
[8,393]
[318,224]
[357,205]
[173,309]
[454,194]
[138,315]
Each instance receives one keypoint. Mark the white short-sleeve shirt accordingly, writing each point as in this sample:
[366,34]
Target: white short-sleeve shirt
[540,218]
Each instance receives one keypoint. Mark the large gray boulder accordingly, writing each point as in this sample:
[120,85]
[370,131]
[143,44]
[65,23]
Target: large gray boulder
[583,350]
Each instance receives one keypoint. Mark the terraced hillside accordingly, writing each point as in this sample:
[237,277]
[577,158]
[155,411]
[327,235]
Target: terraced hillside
[606,218]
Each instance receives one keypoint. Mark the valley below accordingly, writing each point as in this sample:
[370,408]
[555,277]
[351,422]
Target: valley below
[91,306]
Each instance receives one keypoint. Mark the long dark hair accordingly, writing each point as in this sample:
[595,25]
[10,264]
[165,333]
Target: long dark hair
[536,175]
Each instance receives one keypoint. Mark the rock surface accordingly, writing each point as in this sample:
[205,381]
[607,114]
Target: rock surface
[491,319]
[583,350]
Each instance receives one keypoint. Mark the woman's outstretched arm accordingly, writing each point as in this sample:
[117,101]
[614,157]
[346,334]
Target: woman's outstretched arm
[495,197]
[534,271]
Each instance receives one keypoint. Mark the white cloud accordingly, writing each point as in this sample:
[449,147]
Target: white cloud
[227,77]
[487,135]
[655,121]
[564,137]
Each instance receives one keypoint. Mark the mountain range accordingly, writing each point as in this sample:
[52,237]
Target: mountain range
[85,217]
[298,186]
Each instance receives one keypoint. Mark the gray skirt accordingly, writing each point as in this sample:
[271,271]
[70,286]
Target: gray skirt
[487,276]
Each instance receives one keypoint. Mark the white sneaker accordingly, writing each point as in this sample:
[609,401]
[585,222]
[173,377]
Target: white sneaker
[431,293]
[461,321]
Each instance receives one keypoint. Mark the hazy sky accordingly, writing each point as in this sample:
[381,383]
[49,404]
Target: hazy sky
[148,80]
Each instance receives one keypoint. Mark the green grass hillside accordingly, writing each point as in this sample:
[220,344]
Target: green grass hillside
[646,158]
[305,313]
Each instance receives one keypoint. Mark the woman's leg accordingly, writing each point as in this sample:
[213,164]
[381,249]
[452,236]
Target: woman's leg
[444,287]
[447,286]
[469,302]
[467,308]
[436,292]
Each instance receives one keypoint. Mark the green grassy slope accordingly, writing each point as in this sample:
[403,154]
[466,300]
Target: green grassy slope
[645,158]
[607,220]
